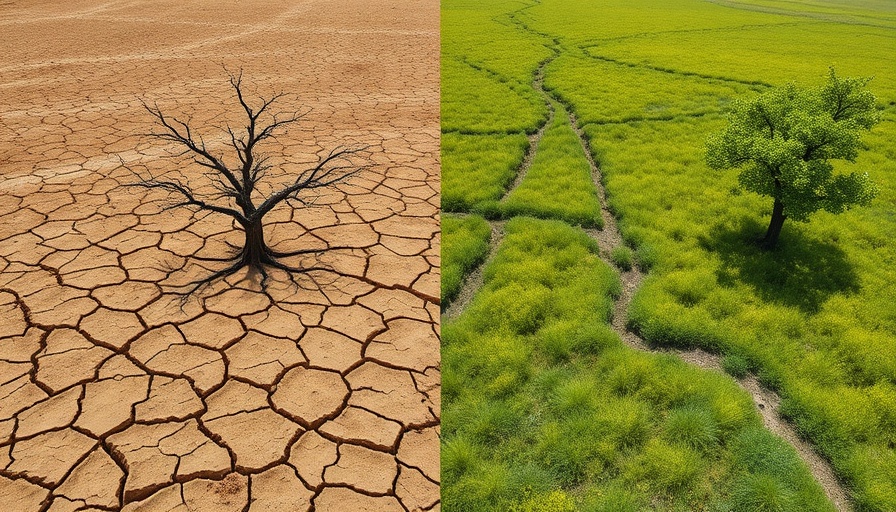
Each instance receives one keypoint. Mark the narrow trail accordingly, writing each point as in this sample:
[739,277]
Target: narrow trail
[534,138]
[474,280]
[767,402]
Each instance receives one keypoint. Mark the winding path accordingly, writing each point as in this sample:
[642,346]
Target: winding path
[767,402]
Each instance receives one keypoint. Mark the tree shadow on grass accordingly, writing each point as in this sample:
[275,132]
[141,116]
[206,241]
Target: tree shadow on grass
[801,271]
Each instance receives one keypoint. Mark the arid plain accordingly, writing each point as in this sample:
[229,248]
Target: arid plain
[117,395]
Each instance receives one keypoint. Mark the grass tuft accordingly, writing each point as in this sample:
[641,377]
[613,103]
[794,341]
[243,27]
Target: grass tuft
[694,427]
[762,493]
[735,365]
[667,467]
[622,257]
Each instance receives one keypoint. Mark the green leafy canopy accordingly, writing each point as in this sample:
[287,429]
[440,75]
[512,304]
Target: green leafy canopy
[783,140]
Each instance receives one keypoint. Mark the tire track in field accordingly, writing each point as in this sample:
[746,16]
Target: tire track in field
[600,40]
[586,50]
[535,138]
[474,280]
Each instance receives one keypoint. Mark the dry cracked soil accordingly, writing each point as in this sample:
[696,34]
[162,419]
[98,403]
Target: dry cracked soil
[117,395]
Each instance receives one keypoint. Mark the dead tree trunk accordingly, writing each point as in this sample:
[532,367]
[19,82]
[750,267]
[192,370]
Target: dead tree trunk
[255,253]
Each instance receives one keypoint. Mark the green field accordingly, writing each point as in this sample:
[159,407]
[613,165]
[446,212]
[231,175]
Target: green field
[544,408]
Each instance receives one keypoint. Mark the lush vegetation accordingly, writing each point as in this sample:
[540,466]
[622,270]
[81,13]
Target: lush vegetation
[486,103]
[477,169]
[602,92]
[465,242]
[558,184]
[814,319]
[483,90]
[546,410]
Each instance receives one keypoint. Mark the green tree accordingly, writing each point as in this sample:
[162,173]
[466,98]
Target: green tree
[783,140]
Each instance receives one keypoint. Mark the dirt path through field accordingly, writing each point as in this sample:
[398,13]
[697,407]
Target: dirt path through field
[767,402]
[116,396]
[609,238]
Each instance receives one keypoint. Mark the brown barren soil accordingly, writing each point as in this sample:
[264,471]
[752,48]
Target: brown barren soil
[115,395]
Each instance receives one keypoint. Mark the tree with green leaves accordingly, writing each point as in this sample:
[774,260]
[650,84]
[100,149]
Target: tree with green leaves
[783,141]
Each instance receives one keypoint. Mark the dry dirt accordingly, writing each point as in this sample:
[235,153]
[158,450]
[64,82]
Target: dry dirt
[116,396]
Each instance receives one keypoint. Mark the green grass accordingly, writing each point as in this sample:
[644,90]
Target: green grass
[693,427]
[475,101]
[544,406]
[606,92]
[535,384]
[622,257]
[465,242]
[772,53]
[558,183]
[478,169]
[484,34]
[581,24]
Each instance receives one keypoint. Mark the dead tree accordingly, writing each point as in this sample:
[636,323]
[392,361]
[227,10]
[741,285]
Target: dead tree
[237,196]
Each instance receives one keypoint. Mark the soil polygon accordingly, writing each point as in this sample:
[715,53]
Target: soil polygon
[117,395]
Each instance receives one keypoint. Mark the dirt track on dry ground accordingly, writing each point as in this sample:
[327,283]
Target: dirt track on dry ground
[114,396]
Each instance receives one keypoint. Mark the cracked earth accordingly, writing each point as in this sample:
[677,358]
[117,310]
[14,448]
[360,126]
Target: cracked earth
[116,395]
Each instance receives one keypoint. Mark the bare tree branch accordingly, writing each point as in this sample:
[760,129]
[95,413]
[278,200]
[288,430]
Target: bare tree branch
[237,186]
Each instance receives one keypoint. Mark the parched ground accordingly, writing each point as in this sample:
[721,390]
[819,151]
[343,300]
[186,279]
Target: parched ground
[114,394]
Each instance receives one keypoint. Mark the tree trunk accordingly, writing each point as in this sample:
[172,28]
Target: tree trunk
[255,252]
[770,240]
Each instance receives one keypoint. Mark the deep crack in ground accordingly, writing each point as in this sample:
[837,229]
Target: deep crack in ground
[116,396]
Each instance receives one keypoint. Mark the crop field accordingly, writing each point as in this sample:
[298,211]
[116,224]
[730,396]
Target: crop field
[548,403]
